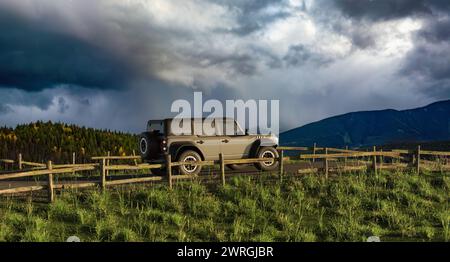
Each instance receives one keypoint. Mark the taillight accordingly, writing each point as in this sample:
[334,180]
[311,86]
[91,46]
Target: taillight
[163,145]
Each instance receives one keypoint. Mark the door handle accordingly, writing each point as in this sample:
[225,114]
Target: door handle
[225,141]
[200,142]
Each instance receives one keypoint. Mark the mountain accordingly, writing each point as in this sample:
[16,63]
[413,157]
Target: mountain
[367,128]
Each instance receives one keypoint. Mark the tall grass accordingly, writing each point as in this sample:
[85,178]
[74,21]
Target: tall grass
[351,207]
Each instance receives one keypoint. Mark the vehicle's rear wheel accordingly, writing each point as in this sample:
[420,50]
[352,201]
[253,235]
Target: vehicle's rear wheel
[268,152]
[189,169]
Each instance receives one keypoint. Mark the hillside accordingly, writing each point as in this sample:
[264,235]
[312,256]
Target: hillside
[393,206]
[56,141]
[366,128]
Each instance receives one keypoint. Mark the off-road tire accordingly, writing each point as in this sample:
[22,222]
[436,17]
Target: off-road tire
[269,152]
[148,146]
[144,145]
[189,155]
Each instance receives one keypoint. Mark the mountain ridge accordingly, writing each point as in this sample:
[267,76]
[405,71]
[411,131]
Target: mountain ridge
[375,127]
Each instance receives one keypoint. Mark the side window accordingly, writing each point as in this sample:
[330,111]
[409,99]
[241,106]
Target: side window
[231,128]
[198,127]
[180,127]
[220,127]
[209,127]
[237,129]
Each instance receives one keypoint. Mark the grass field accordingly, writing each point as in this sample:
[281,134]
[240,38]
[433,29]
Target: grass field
[394,206]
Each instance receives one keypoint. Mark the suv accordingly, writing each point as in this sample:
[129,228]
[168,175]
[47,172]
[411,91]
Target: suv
[193,145]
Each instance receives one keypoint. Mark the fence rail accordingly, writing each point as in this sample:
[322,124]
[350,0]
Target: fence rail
[373,159]
[351,155]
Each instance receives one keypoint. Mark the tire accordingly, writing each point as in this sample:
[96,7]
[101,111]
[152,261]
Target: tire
[144,146]
[269,152]
[148,146]
[189,155]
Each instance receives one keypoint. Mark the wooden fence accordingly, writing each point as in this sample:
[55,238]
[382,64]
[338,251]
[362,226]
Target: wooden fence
[104,166]
[21,163]
[411,158]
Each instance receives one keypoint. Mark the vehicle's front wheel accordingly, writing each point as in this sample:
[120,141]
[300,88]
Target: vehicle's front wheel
[268,152]
[189,169]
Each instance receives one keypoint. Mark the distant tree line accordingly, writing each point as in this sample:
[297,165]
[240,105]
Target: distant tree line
[43,141]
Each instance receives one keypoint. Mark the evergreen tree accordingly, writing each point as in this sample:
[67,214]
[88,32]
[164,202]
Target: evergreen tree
[42,141]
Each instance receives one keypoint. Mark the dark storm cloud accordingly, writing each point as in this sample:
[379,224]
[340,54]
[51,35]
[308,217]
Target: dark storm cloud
[237,63]
[85,102]
[362,39]
[436,31]
[62,105]
[47,50]
[300,55]
[385,9]
[430,62]
[115,64]
[366,13]
[9,95]
[33,58]
[430,57]
[250,15]
[5,109]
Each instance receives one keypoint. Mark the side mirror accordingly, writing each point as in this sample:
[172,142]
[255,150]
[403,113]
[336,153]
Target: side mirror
[246,131]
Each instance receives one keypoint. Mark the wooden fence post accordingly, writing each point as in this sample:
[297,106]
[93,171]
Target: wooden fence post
[169,169]
[19,161]
[73,161]
[103,174]
[374,163]
[222,168]
[51,196]
[418,160]
[366,158]
[281,155]
[345,159]
[135,161]
[381,159]
[314,152]
[107,163]
[326,162]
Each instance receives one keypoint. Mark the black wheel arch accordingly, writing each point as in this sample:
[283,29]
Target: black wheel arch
[177,148]
[257,145]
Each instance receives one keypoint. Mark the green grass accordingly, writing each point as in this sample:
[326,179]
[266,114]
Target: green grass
[394,206]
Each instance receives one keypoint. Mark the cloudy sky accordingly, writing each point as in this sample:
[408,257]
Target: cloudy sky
[116,63]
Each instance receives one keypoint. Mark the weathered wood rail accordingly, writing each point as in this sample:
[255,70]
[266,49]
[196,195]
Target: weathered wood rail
[21,164]
[374,160]
[104,167]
